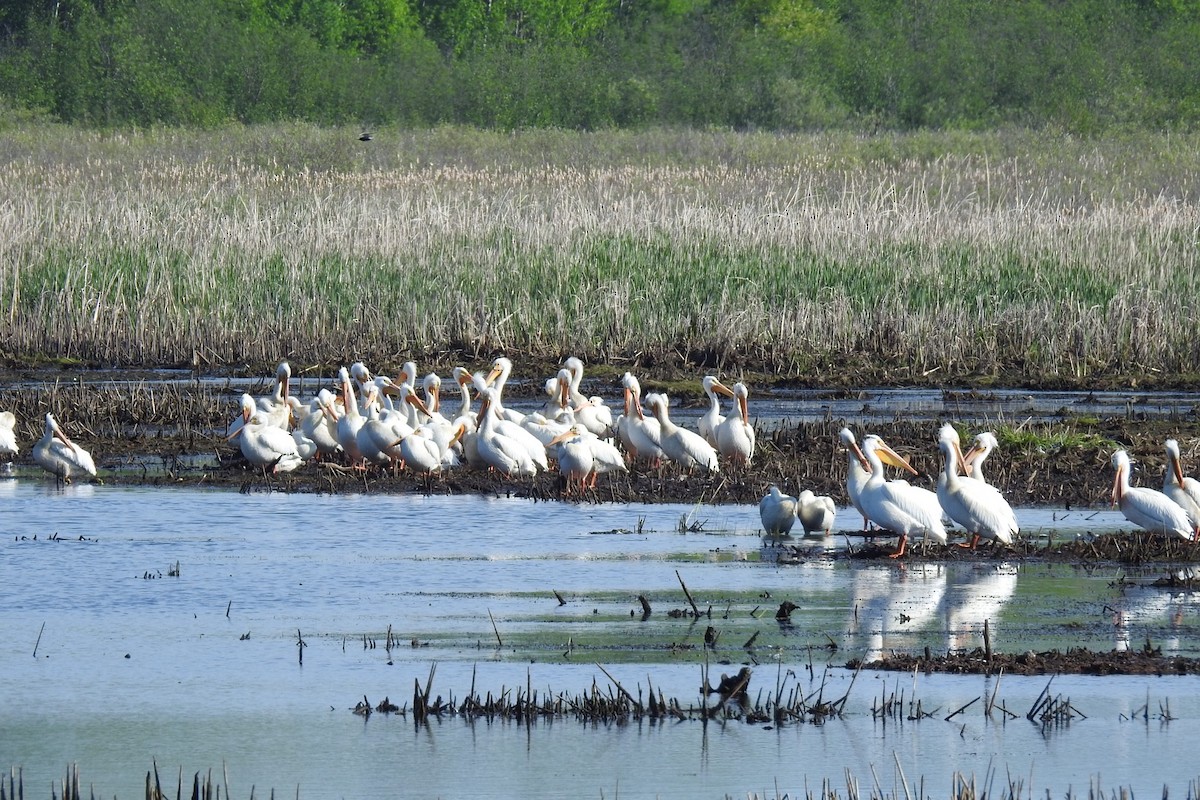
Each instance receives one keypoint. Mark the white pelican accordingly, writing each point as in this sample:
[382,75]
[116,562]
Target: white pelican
[816,512]
[984,444]
[686,448]
[274,409]
[641,435]
[574,368]
[711,420]
[601,456]
[857,475]
[897,506]
[595,415]
[419,451]
[499,450]
[350,421]
[973,504]
[735,436]
[59,456]
[8,438]
[777,511]
[377,437]
[265,445]
[319,424]
[1184,491]
[497,378]
[576,463]
[1147,508]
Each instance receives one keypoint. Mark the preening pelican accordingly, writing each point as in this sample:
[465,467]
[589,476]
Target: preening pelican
[735,436]
[583,456]
[8,437]
[319,425]
[712,419]
[686,448]
[1147,508]
[816,512]
[1184,491]
[60,456]
[499,450]
[897,506]
[274,409]
[857,475]
[973,504]
[497,378]
[267,446]
[777,511]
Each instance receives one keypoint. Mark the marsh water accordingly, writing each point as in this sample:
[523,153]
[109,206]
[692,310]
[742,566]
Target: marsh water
[151,625]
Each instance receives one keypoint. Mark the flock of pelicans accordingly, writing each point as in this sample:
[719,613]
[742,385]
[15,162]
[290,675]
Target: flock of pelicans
[373,421]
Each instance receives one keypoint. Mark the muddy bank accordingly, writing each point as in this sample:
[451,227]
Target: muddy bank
[1148,660]
[795,457]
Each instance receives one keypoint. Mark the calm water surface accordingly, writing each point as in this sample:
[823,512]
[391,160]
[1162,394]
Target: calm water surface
[202,669]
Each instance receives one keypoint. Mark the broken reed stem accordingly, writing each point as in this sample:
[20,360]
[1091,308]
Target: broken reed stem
[495,630]
[39,639]
[687,594]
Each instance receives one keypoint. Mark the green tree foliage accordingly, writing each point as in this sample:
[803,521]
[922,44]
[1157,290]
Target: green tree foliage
[1081,65]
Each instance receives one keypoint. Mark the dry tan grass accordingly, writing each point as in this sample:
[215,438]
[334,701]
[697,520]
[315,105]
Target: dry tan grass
[963,254]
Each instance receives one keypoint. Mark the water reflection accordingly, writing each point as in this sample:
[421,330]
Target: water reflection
[272,565]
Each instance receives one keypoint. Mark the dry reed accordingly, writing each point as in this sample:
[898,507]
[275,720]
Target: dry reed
[961,254]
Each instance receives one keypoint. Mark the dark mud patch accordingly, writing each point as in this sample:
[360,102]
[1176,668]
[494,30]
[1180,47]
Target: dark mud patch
[1073,661]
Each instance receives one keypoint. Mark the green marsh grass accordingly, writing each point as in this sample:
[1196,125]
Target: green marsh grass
[898,257]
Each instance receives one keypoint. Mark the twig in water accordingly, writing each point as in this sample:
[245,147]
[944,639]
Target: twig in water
[495,629]
[39,639]
[687,594]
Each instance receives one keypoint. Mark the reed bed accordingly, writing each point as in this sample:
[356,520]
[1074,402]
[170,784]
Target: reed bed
[904,256]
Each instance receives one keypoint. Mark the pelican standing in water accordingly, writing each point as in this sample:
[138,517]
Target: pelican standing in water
[8,438]
[777,511]
[60,456]
[897,506]
[735,436]
[973,504]
[856,474]
[816,512]
[1184,491]
[1147,508]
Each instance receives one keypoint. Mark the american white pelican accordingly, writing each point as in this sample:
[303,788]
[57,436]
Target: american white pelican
[600,457]
[8,436]
[897,506]
[60,456]
[274,409]
[976,506]
[857,475]
[576,464]
[1184,491]
[711,420]
[350,421]
[984,444]
[497,378]
[574,368]
[267,446]
[735,436]
[641,435]
[319,424]
[816,512]
[419,451]
[595,415]
[497,448]
[777,511]
[686,448]
[376,437]
[1147,508]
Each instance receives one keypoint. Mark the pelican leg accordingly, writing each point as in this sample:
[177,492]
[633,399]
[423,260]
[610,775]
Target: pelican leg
[902,547]
[972,544]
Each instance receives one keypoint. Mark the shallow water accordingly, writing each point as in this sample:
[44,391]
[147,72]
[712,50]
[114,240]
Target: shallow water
[135,665]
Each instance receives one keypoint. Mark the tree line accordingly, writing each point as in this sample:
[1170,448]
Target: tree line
[1080,65]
